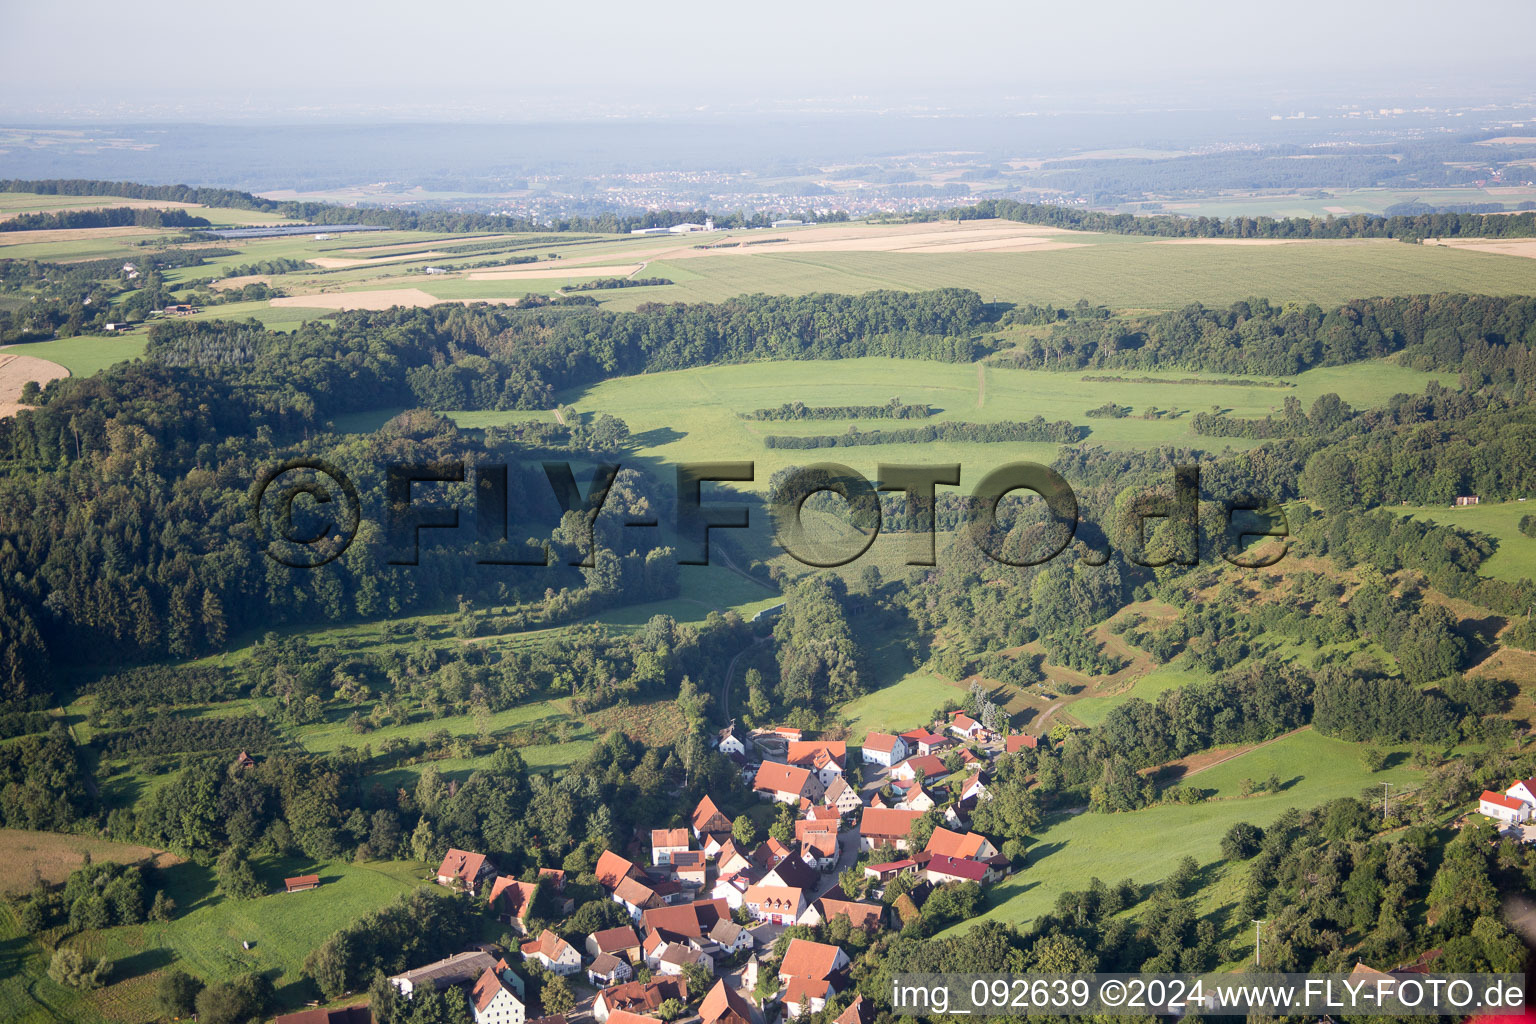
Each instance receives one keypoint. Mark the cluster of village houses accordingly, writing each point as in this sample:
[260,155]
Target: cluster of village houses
[687,892]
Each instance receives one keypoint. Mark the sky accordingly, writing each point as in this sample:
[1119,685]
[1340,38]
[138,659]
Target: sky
[512,61]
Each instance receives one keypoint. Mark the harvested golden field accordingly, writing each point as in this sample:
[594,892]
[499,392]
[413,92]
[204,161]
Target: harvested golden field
[27,857]
[70,235]
[342,263]
[382,299]
[113,204]
[575,270]
[1525,247]
[15,371]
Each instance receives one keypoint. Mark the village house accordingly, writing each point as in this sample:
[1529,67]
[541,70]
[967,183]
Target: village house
[787,783]
[914,797]
[791,872]
[921,742]
[724,1005]
[639,997]
[1014,744]
[494,1002]
[883,749]
[621,942]
[635,897]
[667,841]
[358,1014]
[818,843]
[732,859]
[459,969]
[674,956]
[966,727]
[1503,807]
[860,1011]
[967,846]
[834,904]
[811,973]
[510,901]
[827,758]
[463,869]
[883,873]
[607,969]
[729,743]
[557,955]
[611,869]
[843,798]
[689,869]
[707,818]
[881,825]
[930,766]
[940,870]
[730,937]
[774,903]
[975,789]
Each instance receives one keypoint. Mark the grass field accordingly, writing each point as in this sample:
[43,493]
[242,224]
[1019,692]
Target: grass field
[87,354]
[1091,710]
[1516,557]
[1117,271]
[1145,845]
[903,705]
[695,415]
[205,937]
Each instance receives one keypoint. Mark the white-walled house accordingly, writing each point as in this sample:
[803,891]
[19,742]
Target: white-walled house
[1503,807]
[884,749]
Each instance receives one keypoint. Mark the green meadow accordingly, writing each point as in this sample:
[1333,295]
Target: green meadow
[1515,558]
[1145,845]
[696,415]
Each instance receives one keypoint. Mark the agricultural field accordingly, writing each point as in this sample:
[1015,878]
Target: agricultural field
[1145,845]
[714,399]
[1334,202]
[1515,558]
[900,706]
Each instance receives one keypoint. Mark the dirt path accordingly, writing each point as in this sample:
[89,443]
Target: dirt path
[1194,761]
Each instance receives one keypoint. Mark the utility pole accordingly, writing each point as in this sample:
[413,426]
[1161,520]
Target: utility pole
[1258,930]
[1386,788]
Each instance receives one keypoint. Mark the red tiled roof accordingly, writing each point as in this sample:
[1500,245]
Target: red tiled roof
[807,959]
[708,818]
[301,882]
[887,822]
[781,778]
[929,764]
[662,837]
[860,1011]
[611,868]
[633,892]
[518,895]
[614,940]
[817,753]
[461,864]
[880,741]
[1499,799]
[1020,742]
[487,988]
[958,867]
[645,996]
[724,1005]
[954,844]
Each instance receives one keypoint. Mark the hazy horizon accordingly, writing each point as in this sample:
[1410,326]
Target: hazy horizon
[492,63]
